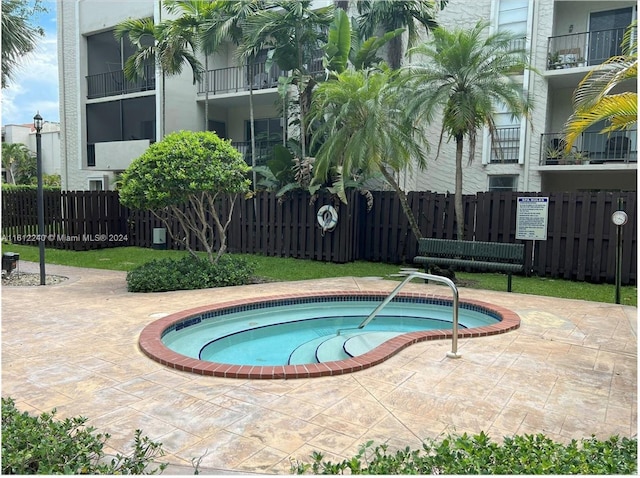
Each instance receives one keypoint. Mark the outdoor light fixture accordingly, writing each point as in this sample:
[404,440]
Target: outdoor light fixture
[37,124]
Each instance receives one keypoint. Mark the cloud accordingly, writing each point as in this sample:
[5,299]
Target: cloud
[35,85]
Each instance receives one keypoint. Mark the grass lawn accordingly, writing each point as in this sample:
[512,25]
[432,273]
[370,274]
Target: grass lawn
[288,269]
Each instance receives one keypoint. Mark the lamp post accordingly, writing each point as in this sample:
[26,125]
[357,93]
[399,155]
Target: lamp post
[37,124]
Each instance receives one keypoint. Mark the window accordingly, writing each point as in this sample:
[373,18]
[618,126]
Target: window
[606,30]
[503,183]
[218,127]
[106,57]
[96,184]
[269,129]
[121,120]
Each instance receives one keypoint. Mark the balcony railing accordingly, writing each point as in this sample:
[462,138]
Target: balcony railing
[263,150]
[590,148]
[505,148]
[583,49]
[240,78]
[114,83]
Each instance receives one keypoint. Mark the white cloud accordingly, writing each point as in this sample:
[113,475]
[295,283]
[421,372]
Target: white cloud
[35,85]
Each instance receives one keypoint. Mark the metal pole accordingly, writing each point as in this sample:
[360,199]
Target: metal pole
[40,204]
[618,262]
[619,254]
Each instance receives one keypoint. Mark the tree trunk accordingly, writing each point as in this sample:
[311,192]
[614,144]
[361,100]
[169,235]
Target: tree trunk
[206,92]
[458,194]
[395,52]
[252,127]
[404,203]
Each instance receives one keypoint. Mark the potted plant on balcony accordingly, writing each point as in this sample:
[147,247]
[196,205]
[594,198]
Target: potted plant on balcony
[553,156]
[554,60]
[577,157]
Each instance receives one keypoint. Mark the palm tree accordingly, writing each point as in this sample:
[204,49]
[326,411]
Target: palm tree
[190,30]
[394,14]
[19,36]
[465,74]
[295,33]
[226,25]
[593,101]
[174,42]
[18,162]
[363,131]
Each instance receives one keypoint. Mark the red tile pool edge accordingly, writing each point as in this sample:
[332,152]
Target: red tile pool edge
[150,341]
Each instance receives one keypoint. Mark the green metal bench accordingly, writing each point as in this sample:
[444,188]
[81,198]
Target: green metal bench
[492,256]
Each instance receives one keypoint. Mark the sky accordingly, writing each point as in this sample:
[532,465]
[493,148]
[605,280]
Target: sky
[35,86]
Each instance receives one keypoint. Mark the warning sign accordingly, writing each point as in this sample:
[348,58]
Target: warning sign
[531,218]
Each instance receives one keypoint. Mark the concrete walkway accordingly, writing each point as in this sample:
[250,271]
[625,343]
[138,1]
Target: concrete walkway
[570,371]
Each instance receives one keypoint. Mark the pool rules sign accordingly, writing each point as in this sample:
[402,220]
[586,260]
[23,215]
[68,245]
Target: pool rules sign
[531,218]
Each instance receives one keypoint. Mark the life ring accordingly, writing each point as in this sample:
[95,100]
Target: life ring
[327,218]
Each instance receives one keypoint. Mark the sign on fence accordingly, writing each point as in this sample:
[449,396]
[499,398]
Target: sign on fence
[531,218]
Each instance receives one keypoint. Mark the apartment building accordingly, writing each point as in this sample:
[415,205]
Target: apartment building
[108,121]
[50,141]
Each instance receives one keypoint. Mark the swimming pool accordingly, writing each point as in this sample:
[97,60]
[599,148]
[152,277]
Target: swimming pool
[308,335]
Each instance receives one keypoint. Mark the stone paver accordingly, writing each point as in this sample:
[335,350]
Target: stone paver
[569,371]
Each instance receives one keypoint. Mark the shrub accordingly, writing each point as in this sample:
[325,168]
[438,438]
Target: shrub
[473,455]
[44,445]
[29,187]
[189,273]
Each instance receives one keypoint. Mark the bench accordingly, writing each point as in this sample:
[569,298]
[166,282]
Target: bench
[493,256]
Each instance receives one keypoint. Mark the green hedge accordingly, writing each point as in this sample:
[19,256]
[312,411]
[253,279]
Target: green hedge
[475,455]
[28,187]
[189,273]
[43,445]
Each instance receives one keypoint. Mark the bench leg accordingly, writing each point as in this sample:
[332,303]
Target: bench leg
[509,282]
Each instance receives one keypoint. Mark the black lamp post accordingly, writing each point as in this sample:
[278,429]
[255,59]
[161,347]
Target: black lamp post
[37,124]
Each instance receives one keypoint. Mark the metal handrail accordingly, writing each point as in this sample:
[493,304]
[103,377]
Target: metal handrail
[423,275]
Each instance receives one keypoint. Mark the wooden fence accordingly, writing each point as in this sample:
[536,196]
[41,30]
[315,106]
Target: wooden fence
[580,245]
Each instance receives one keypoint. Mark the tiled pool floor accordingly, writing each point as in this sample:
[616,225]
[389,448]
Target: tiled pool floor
[569,371]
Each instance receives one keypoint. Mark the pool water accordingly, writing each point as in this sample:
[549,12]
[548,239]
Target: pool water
[314,332]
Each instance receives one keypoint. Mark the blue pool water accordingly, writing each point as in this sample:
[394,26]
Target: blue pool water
[298,333]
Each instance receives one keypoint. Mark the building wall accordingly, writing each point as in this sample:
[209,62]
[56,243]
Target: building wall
[179,107]
[77,19]
[50,142]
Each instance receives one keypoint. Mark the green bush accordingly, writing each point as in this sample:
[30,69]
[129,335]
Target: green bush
[44,445]
[189,273]
[30,187]
[473,455]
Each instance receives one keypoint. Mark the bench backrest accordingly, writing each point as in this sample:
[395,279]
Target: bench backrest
[482,251]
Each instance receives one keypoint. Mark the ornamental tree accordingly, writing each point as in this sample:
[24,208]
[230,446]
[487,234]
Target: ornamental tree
[184,179]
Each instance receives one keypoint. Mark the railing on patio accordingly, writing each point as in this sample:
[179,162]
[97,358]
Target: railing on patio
[234,79]
[263,150]
[583,49]
[239,78]
[114,83]
[590,148]
[505,148]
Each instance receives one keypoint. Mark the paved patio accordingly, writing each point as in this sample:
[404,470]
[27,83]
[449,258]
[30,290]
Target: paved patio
[569,371]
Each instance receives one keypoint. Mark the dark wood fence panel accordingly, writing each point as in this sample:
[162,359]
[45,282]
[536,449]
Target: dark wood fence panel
[581,239]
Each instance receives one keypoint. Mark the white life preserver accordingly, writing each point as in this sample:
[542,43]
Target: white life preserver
[327,218]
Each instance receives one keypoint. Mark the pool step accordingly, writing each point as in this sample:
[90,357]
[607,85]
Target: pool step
[306,352]
[363,343]
[332,349]
[338,347]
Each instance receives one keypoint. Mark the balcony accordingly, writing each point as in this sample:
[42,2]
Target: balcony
[591,148]
[114,83]
[236,79]
[583,49]
[263,150]
[505,148]
[239,78]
